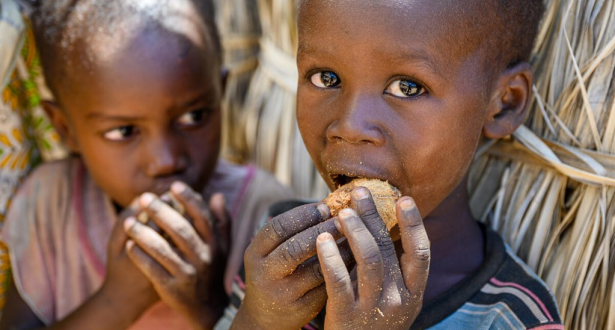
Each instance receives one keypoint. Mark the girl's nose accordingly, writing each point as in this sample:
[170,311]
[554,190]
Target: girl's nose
[358,122]
[166,157]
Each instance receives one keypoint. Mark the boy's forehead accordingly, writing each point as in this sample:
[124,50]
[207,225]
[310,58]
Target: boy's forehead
[450,25]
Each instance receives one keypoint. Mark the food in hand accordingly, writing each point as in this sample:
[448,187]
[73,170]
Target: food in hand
[385,196]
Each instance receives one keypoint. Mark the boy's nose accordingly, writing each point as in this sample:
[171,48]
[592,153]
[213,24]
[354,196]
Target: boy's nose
[358,123]
[166,157]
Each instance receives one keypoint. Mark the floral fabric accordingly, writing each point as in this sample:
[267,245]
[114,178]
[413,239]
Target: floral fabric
[26,136]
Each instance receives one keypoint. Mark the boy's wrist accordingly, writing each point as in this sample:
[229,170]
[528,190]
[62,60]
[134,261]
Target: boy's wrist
[206,317]
[245,320]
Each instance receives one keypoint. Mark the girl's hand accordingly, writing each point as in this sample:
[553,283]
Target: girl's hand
[187,271]
[384,296]
[284,287]
[124,281]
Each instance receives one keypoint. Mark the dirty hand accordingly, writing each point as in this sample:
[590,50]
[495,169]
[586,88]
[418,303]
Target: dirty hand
[124,281]
[384,296]
[188,270]
[284,285]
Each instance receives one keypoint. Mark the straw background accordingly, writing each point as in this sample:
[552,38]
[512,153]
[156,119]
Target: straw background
[548,189]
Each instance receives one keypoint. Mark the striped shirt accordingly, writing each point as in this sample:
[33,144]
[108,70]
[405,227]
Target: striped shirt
[502,294]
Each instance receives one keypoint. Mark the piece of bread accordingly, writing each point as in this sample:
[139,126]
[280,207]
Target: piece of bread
[385,196]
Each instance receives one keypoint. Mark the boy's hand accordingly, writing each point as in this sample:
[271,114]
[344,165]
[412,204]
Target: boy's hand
[384,296]
[283,281]
[124,281]
[187,271]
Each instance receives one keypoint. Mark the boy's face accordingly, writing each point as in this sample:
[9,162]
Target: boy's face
[146,115]
[392,90]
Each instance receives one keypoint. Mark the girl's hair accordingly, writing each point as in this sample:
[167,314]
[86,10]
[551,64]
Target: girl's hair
[60,24]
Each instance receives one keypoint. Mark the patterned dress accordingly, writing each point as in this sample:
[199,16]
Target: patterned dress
[26,136]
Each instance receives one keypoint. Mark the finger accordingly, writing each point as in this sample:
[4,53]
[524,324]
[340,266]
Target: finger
[117,240]
[156,247]
[196,209]
[217,205]
[290,254]
[309,274]
[313,300]
[337,281]
[279,229]
[370,268]
[148,266]
[181,232]
[416,257]
[363,203]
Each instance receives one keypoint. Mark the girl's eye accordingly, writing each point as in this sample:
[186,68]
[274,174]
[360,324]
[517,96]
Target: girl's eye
[192,118]
[120,134]
[325,79]
[405,88]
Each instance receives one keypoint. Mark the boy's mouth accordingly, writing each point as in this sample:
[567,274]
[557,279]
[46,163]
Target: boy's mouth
[341,179]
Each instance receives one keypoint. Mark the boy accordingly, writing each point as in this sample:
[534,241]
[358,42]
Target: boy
[137,87]
[400,91]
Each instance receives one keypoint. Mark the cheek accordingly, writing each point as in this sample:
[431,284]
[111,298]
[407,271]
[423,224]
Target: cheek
[113,168]
[204,149]
[312,123]
[442,151]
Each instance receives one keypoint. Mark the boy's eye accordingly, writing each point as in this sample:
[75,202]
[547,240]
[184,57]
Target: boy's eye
[405,88]
[325,79]
[192,118]
[120,134]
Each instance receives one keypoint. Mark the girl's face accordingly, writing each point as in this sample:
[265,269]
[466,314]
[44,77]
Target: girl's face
[147,116]
[390,90]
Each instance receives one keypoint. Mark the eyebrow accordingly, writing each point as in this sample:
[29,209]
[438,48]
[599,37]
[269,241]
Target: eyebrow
[200,98]
[410,55]
[102,116]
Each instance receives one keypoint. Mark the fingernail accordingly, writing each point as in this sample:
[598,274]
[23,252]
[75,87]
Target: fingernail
[146,199]
[408,204]
[178,187]
[360,193]
[337,225]
[129,222]
[346,214]
[324,211]
[324,238]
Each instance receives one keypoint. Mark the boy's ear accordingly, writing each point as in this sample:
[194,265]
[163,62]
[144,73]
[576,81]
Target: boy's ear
[509,101]
[60,123]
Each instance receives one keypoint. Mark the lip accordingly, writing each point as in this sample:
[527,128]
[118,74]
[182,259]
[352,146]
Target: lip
[339,174]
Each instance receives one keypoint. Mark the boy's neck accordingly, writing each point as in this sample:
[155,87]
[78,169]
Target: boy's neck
[457,242]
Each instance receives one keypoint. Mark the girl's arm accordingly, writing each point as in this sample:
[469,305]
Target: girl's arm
[125,294]
[99,312]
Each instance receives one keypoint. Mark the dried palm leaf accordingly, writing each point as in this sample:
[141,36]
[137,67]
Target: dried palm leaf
[554,181]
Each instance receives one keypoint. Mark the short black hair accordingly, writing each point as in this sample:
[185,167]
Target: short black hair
[60,24]
[518,22]
[505,30]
